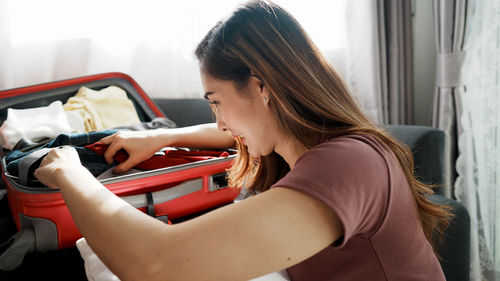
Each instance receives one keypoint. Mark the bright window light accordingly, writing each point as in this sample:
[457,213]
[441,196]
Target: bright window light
[121,25]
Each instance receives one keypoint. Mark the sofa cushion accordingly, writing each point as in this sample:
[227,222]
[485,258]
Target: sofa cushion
[186,112]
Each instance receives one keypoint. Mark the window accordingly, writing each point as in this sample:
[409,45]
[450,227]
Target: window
[151,40]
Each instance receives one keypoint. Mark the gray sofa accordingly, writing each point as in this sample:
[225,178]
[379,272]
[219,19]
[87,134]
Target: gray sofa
[427,145]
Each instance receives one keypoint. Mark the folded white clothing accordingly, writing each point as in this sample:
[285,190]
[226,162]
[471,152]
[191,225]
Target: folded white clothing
[75,122]
[274,276]
[96,270]
[34,123]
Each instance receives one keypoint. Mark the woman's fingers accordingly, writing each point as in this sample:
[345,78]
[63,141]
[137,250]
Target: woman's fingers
[111,141]
[112,149]
[123,167]
[108,139]
[134,143]
[54,163]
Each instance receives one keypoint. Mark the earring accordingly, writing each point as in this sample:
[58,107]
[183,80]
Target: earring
[265,99]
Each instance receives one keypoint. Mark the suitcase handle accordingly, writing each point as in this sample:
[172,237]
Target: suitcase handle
[156,203]
[28,161]
[162,196]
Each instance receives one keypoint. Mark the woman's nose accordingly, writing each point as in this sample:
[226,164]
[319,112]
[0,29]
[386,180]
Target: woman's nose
[221,125]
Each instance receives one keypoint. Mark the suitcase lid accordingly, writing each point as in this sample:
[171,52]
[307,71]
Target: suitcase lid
[46,93]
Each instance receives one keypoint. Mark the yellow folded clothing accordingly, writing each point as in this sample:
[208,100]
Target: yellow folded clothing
[103,109]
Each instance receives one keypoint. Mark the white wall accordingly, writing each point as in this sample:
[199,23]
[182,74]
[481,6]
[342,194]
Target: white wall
[424,61]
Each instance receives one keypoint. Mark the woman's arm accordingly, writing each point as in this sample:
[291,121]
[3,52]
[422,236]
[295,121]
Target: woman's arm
[141,145]
[262,234]
[197,136]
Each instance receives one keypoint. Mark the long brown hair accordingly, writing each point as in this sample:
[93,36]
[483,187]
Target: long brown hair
[308,96]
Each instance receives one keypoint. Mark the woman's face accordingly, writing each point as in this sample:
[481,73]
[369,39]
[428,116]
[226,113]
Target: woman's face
[244,113]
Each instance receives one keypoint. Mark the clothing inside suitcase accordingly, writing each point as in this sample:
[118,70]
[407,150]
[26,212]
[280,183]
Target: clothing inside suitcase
[46,97]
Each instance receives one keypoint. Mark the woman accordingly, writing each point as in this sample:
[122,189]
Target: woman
[335,197]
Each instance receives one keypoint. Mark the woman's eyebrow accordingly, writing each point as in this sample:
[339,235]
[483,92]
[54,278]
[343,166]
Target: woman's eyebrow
[207,94]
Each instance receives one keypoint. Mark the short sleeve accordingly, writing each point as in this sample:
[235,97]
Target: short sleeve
[348,174]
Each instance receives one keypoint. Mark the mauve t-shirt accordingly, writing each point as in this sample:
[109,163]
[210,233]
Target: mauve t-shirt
[360,179]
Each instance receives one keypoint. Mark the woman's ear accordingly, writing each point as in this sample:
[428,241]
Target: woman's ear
[264,93]
[260,86]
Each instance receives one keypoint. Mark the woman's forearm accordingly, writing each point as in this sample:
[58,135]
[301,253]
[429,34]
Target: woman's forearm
[199,136]
[115,230]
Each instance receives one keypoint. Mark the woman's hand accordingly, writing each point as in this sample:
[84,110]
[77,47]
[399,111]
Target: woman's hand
[57,164]
[140,146]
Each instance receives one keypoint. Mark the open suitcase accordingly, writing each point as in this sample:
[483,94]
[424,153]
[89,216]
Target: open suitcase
[41,216]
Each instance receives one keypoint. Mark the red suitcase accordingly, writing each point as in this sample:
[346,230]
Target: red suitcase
[41,216]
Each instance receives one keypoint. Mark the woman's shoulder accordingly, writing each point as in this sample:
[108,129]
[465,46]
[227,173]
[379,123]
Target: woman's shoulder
[344,159]
[356,140]
[355,146]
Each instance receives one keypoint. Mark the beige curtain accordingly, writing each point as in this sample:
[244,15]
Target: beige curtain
[449,26]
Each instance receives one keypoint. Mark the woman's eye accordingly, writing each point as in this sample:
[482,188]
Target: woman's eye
[213,105]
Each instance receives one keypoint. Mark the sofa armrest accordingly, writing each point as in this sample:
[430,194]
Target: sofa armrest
[427,146]
[454,249]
